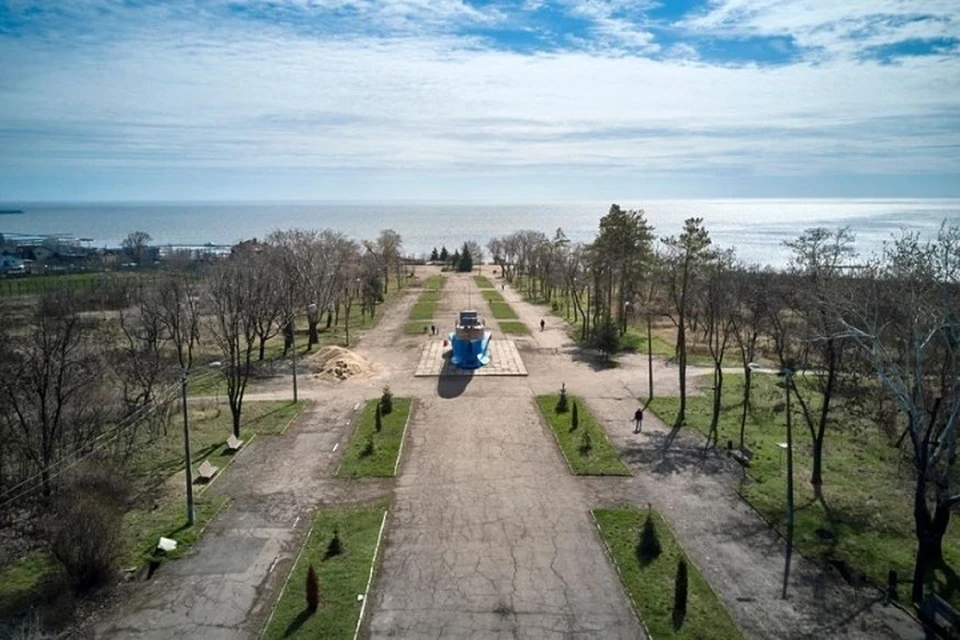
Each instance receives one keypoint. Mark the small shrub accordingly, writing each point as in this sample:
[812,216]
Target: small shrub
[313,590]
[87,526]
[607,338]
[680,595]
[562,406]
[334,547]
[368,447]
[586,444]
[649,549]
[574,418]
[386,401]
[378,419]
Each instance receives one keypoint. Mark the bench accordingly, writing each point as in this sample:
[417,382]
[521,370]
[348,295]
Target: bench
[742,456]
[206,471]
[940,614]
[234,443]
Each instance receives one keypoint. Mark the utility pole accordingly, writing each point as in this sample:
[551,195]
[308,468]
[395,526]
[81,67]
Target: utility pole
[788,381]
[649,357]
[293,335]
[191,514]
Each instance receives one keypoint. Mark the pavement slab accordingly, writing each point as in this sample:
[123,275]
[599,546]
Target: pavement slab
[505,360]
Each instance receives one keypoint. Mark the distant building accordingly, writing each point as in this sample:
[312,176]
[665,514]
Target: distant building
[12,266]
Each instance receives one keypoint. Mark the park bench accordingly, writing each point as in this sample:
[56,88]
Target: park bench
[207,471]
[941,615]
[742,456]
[234,443]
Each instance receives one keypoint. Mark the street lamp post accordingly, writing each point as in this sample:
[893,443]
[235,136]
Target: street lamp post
[787,374]
[191,513]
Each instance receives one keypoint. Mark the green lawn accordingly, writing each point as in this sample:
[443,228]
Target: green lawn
[601,459]
[159,508]
[503,311]
[423,311]
[511,326]
[483,282]
[866,484]
[416,328]
[341,577]
[434,283]
[492,296]
[82,281]
[650,583]
[386,444]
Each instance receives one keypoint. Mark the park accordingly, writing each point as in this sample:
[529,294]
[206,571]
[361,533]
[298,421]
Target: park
[346,478]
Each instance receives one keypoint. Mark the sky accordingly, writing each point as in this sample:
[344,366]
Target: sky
[478,99]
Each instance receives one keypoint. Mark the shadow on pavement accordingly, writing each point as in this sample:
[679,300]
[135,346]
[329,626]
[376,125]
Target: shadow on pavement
[663,456]
[452,381]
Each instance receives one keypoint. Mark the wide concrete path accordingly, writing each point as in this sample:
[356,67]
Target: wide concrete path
[489,535]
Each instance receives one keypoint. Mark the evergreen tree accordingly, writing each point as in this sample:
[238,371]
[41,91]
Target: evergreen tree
[465,263]
[434,256]
[680,594]
[378,419]
[313,590]
[575,418]
[444,254]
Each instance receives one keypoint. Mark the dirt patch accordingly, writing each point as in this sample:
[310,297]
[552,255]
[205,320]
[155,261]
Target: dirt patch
[337,363]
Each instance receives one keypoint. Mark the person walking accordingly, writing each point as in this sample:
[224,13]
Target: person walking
[638,420]
[542,324]
[433,329]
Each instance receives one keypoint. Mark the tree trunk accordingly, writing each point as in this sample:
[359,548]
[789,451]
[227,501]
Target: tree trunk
[263,344]
[236,421]
[682,370]
[312,337]
[717,389]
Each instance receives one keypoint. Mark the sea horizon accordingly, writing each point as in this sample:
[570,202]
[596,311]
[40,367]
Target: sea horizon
[755,227]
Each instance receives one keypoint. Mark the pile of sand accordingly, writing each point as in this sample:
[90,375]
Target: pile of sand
[337,363]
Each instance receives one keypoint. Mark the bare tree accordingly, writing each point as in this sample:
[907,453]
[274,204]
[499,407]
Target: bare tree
[135,244]
[718,308]
[51,387]
[909,325]
[233,292]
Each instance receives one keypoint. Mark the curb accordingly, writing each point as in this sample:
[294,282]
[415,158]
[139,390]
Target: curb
[373,566]
[616,565]
[403,438]
[276,601]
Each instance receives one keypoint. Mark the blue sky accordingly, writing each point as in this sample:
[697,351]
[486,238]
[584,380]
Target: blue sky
[488,100]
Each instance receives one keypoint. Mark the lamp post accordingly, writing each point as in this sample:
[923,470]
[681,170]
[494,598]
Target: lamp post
[787,374]
[191,512]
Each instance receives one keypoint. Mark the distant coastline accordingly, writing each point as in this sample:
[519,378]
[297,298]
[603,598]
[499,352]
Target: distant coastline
[11,212]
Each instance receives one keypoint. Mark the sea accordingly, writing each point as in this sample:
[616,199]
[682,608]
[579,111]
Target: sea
[755,228]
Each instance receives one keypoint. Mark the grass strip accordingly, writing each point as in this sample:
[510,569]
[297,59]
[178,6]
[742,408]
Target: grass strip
[600,459]
[512,326]
[381,461]
[416,328]
[650,582]
[340,577]
[503,311]
[492,296]
[434,283]
[483,282]
[423,311]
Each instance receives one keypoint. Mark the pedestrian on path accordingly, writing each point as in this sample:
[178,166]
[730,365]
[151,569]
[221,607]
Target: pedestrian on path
[638,420]
[542,324]
[433,329]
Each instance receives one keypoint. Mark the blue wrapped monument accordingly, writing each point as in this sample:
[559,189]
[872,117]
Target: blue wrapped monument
[470,341]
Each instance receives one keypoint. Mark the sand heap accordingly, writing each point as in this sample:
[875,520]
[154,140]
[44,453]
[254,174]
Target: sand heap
[337,363]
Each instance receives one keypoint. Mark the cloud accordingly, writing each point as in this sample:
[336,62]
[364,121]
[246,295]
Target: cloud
[240,93]
[846,28]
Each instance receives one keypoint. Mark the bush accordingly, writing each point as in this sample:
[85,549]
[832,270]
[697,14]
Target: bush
[586,444]
[334,547]
[648,548]
[386,401]
[378,419]
[368,447]
[680,595]
[607,338]
[562,401]
[313,590]
[575,418]
[87,526]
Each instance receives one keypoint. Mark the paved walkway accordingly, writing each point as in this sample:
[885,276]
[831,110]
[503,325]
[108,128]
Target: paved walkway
[489,535]
[505,360]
